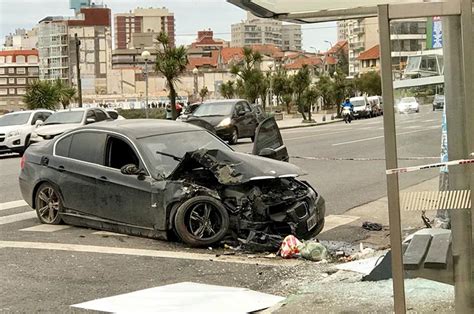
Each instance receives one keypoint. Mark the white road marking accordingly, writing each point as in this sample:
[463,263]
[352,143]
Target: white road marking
[13,204]
[17,217]
[107,233]
[46,228]
[150,253]
[334,221]
[378,137]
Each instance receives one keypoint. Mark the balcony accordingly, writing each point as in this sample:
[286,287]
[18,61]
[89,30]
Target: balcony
[359,30]
[358,46]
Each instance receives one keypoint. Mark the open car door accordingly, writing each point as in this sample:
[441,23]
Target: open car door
[268,141]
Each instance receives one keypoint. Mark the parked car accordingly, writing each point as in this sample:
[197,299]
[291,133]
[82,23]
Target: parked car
[408,104]
[438,102]
[66,120]
[16,129]
[362,107]
[231,118]
[114,114]
[155,178]
[377,105]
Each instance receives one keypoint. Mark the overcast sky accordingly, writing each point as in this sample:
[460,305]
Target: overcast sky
[190,16]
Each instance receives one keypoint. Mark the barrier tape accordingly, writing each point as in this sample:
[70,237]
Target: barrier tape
[358,158]
[437,165]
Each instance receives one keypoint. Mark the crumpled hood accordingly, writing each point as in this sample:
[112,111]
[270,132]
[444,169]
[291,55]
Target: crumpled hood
[56,129]
[233,168]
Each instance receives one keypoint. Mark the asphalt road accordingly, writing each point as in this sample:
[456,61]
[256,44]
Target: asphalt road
[49,269]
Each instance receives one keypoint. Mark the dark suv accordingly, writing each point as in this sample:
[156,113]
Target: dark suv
[438,102]
[231,118]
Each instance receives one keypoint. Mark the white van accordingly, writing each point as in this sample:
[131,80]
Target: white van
[362,108]
[377,104]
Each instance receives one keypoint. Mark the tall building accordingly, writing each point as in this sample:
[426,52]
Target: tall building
[258,31]
[57,48]
[21,39]
[18,68]
[138,28]
[408,37]
[77,5]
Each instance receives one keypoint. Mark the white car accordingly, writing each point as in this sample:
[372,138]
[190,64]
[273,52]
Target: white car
[66,120]
[408,104]
[16,129]
[362,108]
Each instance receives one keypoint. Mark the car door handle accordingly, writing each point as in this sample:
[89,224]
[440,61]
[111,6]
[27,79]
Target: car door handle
[61,168]
[103,178]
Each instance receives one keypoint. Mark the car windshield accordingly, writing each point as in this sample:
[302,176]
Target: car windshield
[408,99]
[161,148]
[65,117]
[358,103]
[214,109]
[15,118]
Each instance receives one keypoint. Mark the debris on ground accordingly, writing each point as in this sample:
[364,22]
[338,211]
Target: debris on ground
[290,247]
[371,226]
[313,251]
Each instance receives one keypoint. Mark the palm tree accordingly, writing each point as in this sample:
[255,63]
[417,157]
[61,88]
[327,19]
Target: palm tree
[251,81]
[66,93]
[41,95]
[171,63]
[228,90]
[203,93]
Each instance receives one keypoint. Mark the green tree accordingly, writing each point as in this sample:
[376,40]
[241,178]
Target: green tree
[66,93]
[228,90]
[280,84]
[203,93]
[251,81]
[369,83]
[171,63]
[309,98]
[41,95]
[325,87]
[301,81]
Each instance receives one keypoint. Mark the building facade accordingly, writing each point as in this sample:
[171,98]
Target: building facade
[258,31]
[57,48]
[22,39]
[140,27]
[18,68]
[408,37]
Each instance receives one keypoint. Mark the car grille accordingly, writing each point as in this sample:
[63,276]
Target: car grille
[302,209]
[2,137]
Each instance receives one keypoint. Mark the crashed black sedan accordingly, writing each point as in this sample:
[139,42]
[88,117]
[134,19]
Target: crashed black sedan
[162,179]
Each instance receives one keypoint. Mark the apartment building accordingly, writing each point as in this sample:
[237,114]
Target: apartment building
[258,31]
[18,68]
[21,39]
[140,27]
[57,48]
[408,37]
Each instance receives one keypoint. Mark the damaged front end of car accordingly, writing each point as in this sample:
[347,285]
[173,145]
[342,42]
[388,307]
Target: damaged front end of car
[262,200]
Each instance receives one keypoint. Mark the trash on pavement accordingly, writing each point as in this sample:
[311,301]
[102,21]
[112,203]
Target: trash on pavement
[258,241]
[313,251]
[290,247]
[371,226]
[363,266]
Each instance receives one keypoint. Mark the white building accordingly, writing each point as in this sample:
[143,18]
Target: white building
[21,39]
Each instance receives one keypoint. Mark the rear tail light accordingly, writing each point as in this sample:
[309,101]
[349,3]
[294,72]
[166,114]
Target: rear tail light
[22,162]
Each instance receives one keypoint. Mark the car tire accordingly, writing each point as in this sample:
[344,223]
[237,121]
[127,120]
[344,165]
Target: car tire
[48,204]
[234,137]
[201,221]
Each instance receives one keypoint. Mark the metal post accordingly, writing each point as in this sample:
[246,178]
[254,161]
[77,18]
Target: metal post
[146,88]
[78,71]
[391,159]
[457,48]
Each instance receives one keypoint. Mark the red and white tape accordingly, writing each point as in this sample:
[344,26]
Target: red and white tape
[437,165]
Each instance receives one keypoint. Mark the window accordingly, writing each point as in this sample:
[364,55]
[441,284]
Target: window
[11,80]
[3,91]
[11,70]
[246,107]
[91,115]
[40,116]
[21,81]
[3,81]
[119,154]
[20,71]
[11,91]
[88,146]
[62,146]
[21,91]
[101,116]
[2,70]
[20,59]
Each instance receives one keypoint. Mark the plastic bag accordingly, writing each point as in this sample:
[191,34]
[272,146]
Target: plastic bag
[313,251]
[290,247]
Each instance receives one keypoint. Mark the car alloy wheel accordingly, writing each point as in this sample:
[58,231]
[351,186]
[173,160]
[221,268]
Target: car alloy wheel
[48,204]
[201,221]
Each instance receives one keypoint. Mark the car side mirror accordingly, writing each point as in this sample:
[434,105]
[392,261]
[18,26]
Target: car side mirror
[90,120]
[267,152]
[131,169]
[38,123]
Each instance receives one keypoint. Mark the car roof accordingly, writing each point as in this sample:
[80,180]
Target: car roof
[140,128]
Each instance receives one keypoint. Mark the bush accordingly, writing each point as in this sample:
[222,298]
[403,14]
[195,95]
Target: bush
[153,113]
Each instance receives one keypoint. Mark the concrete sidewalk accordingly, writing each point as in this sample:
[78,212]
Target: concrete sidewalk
[291,123]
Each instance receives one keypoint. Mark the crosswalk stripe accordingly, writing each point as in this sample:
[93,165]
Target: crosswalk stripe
[46,228]
[17,217]
[13,204]
[334,221]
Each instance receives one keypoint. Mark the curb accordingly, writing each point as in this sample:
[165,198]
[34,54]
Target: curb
[308,125]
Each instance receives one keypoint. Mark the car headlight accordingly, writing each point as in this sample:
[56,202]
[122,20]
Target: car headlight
[224,122]
[13,133]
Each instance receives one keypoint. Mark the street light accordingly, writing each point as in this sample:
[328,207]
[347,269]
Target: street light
[146,56]
[270,91]
[195,75]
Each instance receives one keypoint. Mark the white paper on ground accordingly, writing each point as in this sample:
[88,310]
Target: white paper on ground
[184,297]
[363,266]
